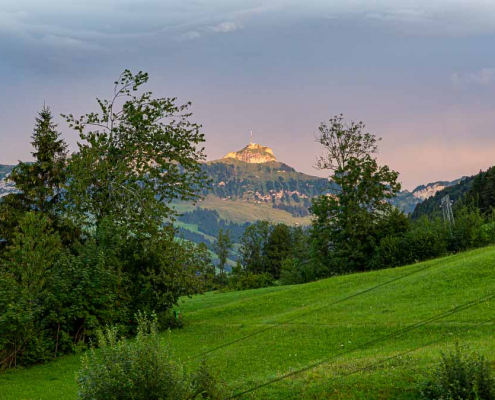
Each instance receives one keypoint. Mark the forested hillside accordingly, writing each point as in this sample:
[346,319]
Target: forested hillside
[431,206]
[274,183]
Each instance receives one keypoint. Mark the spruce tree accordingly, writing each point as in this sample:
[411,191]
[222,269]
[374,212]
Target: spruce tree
[40,182]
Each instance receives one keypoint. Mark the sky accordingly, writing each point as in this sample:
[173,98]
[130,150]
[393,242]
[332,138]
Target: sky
[420,74]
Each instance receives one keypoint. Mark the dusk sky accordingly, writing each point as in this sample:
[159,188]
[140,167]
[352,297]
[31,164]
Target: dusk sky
[420,74]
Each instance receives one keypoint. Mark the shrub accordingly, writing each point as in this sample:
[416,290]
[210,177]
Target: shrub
[291,273]
[206,384]
[467,231]
[144,368]
[246,280]
[461,376]
[389,254]
[427,239]
[487,232]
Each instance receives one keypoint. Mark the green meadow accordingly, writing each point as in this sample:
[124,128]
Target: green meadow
[374,335]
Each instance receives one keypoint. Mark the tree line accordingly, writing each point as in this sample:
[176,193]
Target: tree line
[84,242]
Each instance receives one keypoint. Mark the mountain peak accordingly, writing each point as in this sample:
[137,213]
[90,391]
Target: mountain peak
[253,153]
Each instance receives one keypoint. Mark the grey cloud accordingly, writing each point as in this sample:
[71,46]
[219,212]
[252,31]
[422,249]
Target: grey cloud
[222,27]
[226,27]
[190,35]
[405,15]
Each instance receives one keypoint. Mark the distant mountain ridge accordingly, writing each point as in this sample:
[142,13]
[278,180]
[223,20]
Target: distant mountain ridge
[253,175]
[456,192]
[6,187]
[408,200]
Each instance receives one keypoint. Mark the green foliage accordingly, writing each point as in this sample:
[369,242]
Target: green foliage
[207,384]
[482,191]
[425,239]
[86,243]
[345,227]
[298,266]
[39,184]
[136,160]
[431,206]
[467,230]
[280,251]
[241,280]
[343,142]
[24,269]
[460,375]
[389,253]
[253,244]
[278,248]
[144,368]
[290,273]
[222,247]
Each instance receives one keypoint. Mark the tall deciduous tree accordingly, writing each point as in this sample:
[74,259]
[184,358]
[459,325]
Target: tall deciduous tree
[222,247]
[346,222]
[253,244]
[136,155]
[278,248]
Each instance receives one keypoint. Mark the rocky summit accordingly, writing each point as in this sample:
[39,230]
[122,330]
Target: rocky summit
[253,153]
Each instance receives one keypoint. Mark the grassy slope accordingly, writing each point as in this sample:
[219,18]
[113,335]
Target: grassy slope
[240,211]
[216,318]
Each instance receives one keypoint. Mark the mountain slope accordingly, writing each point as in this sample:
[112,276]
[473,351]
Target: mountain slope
[5,187]
[303,324]
[273,183]
[407,201]
[431,206]
[242,176]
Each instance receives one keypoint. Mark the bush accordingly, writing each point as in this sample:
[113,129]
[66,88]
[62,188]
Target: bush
[467,230]
[389,254]
[461,376]
[247,280]
[291,273]
[487,232]
[143,368]
[427,239]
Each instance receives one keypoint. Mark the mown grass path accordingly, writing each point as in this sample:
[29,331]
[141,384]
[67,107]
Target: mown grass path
[318,331]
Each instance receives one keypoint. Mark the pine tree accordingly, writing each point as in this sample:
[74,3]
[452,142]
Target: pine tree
[40,183]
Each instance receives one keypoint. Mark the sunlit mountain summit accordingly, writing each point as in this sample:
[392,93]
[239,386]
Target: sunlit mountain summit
[253,153]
